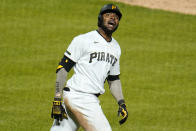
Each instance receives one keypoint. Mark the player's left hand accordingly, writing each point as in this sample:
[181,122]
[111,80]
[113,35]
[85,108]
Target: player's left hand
[58,112]
[122,111]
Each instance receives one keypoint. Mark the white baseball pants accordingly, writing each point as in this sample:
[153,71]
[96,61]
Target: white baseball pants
[83,110]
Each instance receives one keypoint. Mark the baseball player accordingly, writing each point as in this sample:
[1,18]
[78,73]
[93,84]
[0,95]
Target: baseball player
[95,57]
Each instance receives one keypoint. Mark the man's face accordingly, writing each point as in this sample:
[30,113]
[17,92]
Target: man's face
[110,22]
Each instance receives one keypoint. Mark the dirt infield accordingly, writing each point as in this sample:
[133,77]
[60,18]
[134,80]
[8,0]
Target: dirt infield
[181,6]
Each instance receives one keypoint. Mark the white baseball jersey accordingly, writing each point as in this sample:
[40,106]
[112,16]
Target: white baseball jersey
[95,59]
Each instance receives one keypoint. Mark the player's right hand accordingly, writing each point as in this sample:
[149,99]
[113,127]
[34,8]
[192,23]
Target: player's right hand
[122,111]
[58,112]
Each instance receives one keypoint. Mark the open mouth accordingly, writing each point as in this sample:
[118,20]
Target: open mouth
[111,23]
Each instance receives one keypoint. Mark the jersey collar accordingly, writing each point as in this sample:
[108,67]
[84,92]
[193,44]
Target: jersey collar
[101,38]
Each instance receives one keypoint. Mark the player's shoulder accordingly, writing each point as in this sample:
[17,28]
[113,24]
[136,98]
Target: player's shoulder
[116,44]
[83,40]
[86,36]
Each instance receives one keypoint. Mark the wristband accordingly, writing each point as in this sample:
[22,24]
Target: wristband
[57,99]
[120,102]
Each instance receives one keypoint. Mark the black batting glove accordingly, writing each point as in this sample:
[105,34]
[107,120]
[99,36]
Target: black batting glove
[58,112]
[122,111]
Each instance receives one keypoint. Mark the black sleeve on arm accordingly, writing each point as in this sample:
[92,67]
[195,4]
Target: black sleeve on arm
[65,63]
[113,77]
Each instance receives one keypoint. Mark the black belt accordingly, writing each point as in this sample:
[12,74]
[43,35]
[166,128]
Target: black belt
[67,89]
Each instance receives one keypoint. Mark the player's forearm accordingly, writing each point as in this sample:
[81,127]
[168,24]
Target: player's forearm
[60,82]
[116,89]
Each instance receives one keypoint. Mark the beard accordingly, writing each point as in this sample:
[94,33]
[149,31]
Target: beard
[106,30]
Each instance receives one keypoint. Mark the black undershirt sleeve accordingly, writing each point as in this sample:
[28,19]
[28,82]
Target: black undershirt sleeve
[113,77]
[65,63]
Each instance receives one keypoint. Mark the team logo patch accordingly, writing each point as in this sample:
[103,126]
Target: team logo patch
[113,7]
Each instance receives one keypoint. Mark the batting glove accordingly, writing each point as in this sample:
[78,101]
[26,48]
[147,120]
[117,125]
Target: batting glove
[122,111]
[58,112]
